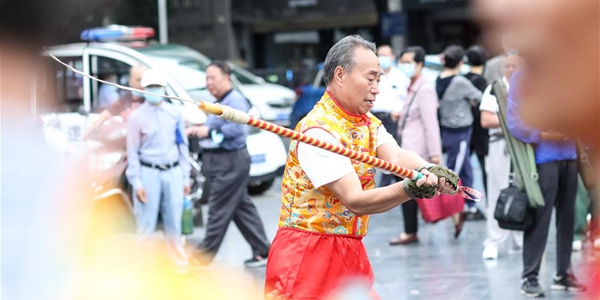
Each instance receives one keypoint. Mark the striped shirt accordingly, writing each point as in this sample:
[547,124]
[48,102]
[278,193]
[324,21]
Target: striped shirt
[455,93]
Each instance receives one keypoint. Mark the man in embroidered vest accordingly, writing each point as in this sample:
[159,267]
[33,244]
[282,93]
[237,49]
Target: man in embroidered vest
[327,198]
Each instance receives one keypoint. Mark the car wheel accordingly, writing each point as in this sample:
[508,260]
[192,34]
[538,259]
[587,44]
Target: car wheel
[260,188]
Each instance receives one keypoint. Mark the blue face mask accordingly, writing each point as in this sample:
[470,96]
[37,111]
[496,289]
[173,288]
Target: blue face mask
[152,98]
[137,94]
[409,69]
[385,62]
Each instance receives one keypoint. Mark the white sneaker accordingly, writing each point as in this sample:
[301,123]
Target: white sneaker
[577,245]
[490,252]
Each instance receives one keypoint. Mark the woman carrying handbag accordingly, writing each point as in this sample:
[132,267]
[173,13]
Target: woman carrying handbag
[418,130]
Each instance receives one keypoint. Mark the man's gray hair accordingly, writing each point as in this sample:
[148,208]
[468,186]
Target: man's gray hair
[342,54]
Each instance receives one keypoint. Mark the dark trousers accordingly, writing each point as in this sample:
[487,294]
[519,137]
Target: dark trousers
[481,159]
[392,128]
[558,181]
[228,201]
[409,211]
[455,142]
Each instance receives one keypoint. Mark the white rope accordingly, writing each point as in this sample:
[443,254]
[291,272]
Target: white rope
[121,86]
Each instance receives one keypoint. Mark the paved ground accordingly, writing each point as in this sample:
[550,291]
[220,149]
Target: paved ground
[438,267]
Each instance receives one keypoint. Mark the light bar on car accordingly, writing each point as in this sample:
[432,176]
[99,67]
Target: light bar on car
[117,33]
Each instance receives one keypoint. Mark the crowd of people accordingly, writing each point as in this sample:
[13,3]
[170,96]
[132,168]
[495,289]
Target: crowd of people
[459,115]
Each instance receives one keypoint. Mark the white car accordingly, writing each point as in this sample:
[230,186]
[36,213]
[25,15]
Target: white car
[99,59]
[273,102]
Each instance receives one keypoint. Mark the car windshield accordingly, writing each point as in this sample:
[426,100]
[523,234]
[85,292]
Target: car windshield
[243,76]
[190,78]
[191,59]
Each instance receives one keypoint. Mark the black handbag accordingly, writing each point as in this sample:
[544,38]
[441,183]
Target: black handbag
[512,209]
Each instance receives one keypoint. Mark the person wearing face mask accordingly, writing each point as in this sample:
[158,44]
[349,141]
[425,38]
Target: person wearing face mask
[418,131]
[393,87]
[125,104]
[157,165]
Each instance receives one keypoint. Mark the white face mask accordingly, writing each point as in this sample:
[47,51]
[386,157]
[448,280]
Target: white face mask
[409,69]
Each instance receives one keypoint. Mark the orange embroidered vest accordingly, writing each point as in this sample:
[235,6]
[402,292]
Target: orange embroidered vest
[317,209]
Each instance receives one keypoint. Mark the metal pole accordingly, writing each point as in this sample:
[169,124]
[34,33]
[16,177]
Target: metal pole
[163,28]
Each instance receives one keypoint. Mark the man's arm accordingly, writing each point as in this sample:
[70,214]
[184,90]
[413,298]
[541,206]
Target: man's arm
[349,190]
[392,153]
[489,120]
[344,183]
[133,157]
[489,109]
[102,117]
[231,129]
[184,152]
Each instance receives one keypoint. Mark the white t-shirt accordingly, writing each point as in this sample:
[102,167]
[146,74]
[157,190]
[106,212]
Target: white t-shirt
[393,89]
[322,166]
[490,103]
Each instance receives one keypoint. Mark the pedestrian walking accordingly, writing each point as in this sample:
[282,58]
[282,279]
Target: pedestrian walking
[557,169]
[457,95]
[393,87]
[418,131]
[476,57]
[498,162]
[226,163]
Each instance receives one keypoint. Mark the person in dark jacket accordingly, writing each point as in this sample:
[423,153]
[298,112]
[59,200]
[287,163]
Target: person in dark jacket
[477,57]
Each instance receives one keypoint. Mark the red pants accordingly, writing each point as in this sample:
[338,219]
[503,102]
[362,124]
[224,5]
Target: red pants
[306,265]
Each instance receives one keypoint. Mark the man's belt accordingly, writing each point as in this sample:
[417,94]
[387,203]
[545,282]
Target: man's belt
[162,167]
[220,150]
[498,136]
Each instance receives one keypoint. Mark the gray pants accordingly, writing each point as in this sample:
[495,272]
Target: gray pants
[164,192]
[228,201]
[558,181]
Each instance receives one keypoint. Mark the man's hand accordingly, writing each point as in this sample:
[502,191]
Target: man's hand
[395,116]
[435,160]
[199,131]
[426,187]
[141,195]
[450,184]
[186,190]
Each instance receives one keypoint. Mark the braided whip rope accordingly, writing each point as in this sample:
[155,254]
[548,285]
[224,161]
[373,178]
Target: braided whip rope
[240,117]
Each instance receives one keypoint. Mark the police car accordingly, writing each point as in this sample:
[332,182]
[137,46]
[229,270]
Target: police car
[110,52]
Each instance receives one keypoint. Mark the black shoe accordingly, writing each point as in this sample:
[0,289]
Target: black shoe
[567,283]
[531,288]
[256,262]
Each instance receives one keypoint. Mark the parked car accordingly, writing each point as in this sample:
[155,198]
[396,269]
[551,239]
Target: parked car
[79,94]
[273,102]
[308,94]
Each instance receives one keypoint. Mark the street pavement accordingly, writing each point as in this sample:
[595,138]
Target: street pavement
[438,267]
